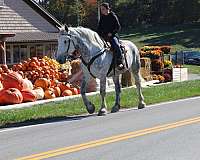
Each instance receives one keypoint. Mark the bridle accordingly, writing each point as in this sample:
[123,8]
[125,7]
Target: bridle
[69,42]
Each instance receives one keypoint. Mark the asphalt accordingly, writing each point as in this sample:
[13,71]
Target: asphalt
[180,143]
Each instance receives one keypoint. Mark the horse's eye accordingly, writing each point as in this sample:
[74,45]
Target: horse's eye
[65,41]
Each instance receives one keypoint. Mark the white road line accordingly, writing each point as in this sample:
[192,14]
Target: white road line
[149,106]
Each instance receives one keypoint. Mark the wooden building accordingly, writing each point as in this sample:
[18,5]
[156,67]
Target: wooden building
[36,31]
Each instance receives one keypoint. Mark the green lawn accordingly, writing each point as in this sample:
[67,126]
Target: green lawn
[182,37]
[59,110]
[194,69]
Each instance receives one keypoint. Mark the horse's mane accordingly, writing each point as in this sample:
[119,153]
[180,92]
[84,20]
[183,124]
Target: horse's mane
[88,34]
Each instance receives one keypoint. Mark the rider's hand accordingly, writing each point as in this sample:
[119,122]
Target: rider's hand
[109,34]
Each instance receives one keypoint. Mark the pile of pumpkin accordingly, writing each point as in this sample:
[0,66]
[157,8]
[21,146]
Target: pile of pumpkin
[15,89]
[34,68]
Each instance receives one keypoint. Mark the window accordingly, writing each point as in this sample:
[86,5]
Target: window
[8,54]
[54,48]
[48,50]
[33,51]
[23,52]
[39,51]
[16,54]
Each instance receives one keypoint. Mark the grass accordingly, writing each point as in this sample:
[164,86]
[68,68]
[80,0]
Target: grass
[60,110]
[194,69]
[180,37]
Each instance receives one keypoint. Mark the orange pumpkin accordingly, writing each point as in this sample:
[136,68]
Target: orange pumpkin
[12,80]
[10,96]
[42,82]
[74,91]
[29,95]
[64,87]
[67,92]
[4,67]
[49,93]
[57,91]
[39,93]
[54,82]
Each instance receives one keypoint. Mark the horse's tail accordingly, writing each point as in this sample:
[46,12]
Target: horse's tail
[136,59]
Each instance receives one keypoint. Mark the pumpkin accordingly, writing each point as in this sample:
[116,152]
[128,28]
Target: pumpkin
[4,67]
[1,70]
[54,83]
[49,93]
[64,87]
[29,95]
[10,96]
[43,83]
[74,91]
[39,93]
[67,92]
[57,91]
[1,86]
[27,84]
[12,80]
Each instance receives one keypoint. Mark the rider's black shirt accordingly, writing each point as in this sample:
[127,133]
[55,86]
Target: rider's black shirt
[108,24]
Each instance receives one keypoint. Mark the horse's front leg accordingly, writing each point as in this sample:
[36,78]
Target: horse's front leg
[116,106]
[89,106]
[103,109]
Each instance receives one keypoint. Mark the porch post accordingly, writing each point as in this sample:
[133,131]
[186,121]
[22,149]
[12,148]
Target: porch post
[3,37]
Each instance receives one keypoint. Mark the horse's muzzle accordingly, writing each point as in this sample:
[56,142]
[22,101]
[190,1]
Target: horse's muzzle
[61,59]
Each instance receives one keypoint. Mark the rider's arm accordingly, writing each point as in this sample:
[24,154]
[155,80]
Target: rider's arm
[116,24]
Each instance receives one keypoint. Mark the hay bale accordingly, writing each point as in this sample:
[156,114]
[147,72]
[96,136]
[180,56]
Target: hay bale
[127,79]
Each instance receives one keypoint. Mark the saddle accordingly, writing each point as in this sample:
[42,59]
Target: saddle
[124,57]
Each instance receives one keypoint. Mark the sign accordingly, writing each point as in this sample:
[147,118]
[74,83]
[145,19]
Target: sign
[180,74]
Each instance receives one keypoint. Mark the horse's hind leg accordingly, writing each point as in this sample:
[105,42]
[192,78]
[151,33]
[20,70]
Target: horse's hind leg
[89,106]
[103,109]
[139,89]
[116,107]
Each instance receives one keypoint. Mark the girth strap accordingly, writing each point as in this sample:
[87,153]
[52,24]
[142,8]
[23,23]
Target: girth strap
[91,61]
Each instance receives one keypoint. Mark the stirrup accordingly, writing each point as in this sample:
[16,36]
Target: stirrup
[120,66]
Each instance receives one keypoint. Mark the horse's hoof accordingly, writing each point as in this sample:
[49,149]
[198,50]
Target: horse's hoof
[102,112]
[115,109]
[90,108]
[141,105]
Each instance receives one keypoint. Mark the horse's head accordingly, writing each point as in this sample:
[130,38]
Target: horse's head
[66,44]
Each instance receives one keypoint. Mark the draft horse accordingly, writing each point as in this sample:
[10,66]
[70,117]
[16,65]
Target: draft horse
[96,62]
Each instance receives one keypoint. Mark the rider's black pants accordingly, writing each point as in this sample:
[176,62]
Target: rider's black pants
[114,41]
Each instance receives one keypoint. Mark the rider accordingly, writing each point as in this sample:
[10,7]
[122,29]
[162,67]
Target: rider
[108,27]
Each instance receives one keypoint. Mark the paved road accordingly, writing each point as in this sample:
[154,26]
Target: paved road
[142,140]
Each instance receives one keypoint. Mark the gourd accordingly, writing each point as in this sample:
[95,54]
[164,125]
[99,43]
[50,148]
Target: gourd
[29,95]
[10,96]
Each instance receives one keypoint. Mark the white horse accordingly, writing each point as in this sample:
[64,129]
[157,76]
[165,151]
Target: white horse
[96,62]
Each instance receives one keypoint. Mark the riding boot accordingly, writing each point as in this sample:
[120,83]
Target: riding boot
[118,52]
[120,64]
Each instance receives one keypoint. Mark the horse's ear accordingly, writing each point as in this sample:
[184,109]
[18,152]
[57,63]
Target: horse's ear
[66,28]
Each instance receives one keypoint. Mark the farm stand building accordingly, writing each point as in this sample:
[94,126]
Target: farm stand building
[36,31]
